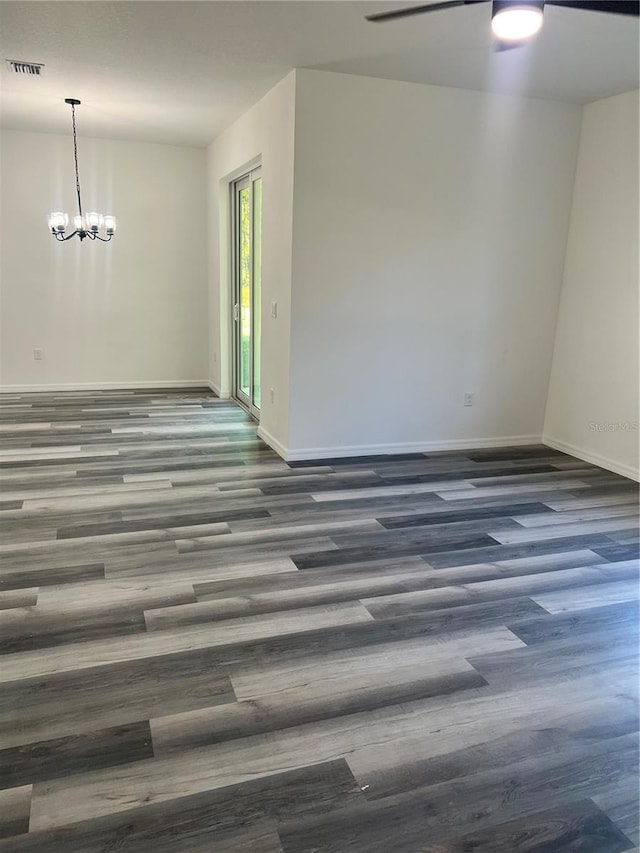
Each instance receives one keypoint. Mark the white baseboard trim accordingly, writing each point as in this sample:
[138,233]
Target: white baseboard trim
[273,443]
[104,386]
[224,395]
[411,447]
[593,458]
[302,454]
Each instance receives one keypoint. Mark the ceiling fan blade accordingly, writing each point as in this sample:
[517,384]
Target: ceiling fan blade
[614,7]
[392,15]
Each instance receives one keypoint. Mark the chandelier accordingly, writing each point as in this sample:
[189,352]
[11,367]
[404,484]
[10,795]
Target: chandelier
[93,225]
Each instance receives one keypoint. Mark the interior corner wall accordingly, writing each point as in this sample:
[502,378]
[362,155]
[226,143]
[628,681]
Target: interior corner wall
[592,410]
[264,135]
[430,228]
[128,313]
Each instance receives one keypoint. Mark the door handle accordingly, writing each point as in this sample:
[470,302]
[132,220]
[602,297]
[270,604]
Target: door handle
[236,312]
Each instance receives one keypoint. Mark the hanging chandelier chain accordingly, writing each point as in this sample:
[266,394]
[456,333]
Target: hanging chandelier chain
[75,156]
[94,222]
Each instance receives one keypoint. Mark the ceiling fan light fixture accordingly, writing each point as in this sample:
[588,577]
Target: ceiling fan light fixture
[516,21]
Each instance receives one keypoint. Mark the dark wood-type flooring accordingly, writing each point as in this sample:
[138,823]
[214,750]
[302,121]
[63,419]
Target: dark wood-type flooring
[206,649]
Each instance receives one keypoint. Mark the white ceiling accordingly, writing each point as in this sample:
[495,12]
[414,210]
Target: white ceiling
[179,72]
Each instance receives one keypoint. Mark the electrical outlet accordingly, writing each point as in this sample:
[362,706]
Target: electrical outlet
[468,398]
[271,394]
[37,354]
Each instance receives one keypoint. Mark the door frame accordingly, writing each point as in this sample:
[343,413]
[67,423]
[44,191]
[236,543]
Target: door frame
[245,179]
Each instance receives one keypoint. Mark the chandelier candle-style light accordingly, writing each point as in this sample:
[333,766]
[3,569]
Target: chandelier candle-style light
[93,225]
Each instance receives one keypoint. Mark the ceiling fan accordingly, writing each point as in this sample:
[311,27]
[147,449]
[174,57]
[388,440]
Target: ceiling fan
[515,21]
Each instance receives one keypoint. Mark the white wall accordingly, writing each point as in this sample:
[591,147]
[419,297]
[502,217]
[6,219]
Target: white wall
[593,394]
[263,135]
[129,312]
[430,228]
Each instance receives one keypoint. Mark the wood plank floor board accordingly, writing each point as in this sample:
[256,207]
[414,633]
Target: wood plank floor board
[491,807]
[183,500]
[238,606]
[449,463]
[78,497]
[197,819]
[530,451]
[530,510]
[576,731]
[615,552]
[48,556]
[430,535]
[157,534]
[578,826]
[23,578]
[21,519]
[452,494]
[366,528]
[106,697]
[487,713]
[580,599]
[612,526]
[96,793]
[402,568]
[421,654]
[626,536]
[38,762]
[431,502]
[487,553]
[585,501]
[204,566]
[314,514]
[621,805]
[15,808]
[288,709]
[460,478]
[439,625]
[557,661]
[583,578]
[113,597]
[91,653]
[189,570]
[207,649]
[598,512]
[537,564]
[22,597]
[427,502]
[611,618]
[134,525]
[50,486]
[615,487]
[311,588]
[30,628]
[337,556]
[125,496]
[295,580]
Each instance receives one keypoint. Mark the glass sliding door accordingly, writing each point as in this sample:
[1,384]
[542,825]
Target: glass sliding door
[257,281]
[247,221]
[243,310]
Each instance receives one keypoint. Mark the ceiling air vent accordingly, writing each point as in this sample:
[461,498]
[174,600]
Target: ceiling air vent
[19,67]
